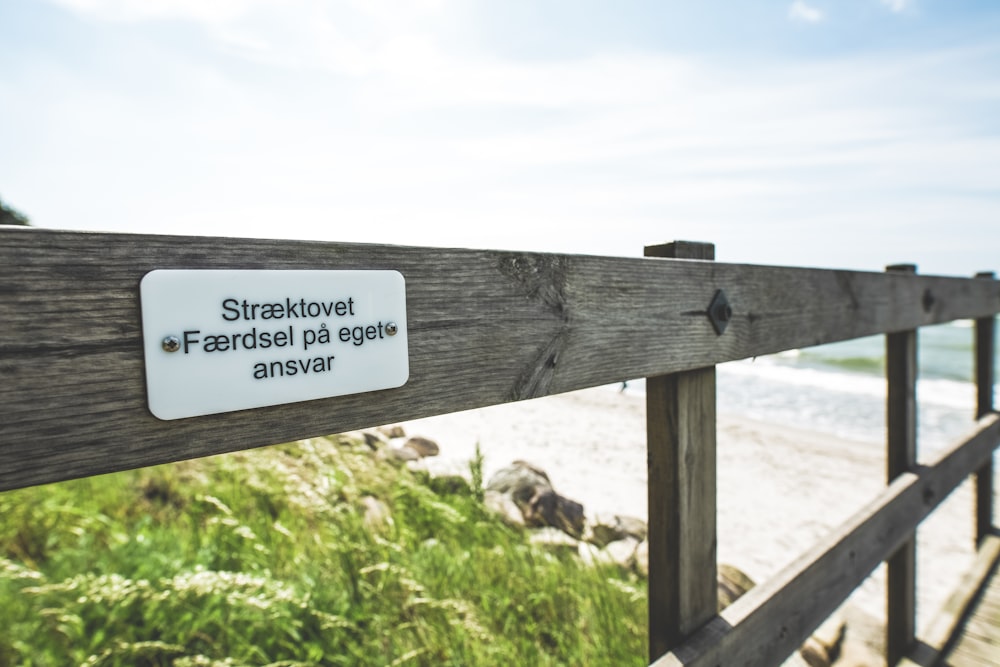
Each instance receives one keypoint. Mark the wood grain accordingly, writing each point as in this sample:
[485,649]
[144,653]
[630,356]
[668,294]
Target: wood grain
[485,327]
[985,380]
[977,640]
[770,622]
[947,626]
[901,457]
[681,455]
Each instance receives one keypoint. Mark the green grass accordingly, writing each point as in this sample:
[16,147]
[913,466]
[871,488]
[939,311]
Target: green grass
[266,558]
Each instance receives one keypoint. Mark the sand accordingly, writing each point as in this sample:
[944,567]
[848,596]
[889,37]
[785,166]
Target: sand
[779,489]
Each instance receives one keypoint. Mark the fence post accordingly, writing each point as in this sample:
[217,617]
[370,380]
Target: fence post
[985,359]
[680,436]
[901,426]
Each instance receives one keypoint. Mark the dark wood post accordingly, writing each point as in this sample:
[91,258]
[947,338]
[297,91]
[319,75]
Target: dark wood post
[901,426]
[985,360]
[680,435]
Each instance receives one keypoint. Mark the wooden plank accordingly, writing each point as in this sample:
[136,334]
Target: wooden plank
[945,625]
[771,621]
[985,379]
[980,637]
[901,426]
[681,455]
[973,658]
[485,327]
[981,630]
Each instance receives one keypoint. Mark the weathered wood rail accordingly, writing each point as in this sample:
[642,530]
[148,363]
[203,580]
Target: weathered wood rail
[488,327]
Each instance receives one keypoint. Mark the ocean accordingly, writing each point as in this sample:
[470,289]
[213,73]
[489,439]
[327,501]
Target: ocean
[840,388]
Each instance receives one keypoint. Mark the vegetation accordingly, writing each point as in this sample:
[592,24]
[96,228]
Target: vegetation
[9,216]
[313,553]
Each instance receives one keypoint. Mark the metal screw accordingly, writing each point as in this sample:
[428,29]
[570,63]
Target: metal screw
[391,328]
[928,300]
[720,312]
[723,312]
[171,344]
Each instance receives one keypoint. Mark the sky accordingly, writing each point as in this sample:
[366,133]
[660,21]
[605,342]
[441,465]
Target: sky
[841,134]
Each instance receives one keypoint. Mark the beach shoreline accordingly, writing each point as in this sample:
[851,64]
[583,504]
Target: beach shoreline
[780,489]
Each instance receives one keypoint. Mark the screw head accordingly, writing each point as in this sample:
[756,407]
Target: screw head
[928,300]
[391,328]
[720,312]
[171,344]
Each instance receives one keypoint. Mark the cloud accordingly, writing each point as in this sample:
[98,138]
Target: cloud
[385,130]
[127,11]
[356,38]
[800,11]
[896,6]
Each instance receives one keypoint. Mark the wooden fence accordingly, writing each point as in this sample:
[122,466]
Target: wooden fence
[489,327]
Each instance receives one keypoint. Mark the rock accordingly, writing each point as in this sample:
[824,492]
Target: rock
[828,639]
[419,470]
[505,507]
[520,480]
[822,649]
[607,528]
[424,447]
[376,513]
[356,438]
[632,526]
[392,431]
[642,558]
[373,439]
[813,654]
[548,508]
[530,489]
[826,646]
[622,552]
[733,583]
[592,555]
[795,660]
[555,540]
[397,455]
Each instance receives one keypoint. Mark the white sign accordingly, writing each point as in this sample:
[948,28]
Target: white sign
[224,340]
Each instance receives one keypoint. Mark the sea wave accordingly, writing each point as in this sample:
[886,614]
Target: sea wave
[937,391]
[841,403]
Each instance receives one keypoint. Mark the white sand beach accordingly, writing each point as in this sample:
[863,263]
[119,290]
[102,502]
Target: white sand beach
[779,489]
